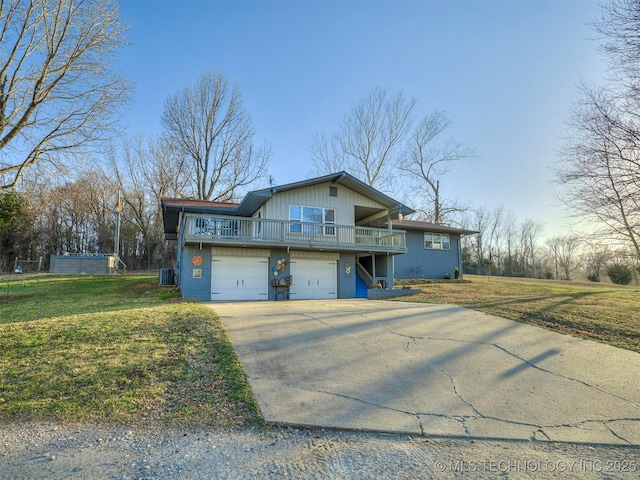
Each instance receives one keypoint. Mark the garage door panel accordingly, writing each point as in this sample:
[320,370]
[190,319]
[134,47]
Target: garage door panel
[314,279]
[239,278]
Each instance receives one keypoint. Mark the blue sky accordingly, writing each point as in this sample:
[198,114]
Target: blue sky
[505,72]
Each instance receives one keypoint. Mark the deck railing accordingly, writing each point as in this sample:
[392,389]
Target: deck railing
[258,231]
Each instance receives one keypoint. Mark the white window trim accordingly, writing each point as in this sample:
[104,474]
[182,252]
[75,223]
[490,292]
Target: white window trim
[440,236]
[328,227]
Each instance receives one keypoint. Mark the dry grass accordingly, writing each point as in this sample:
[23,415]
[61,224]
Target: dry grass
[606,313]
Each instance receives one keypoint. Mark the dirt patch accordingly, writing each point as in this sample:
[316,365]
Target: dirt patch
[143,287]
[13,298]
[58,451]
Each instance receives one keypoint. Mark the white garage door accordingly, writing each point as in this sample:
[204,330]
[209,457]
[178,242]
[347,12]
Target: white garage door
[313,279]
[239,278]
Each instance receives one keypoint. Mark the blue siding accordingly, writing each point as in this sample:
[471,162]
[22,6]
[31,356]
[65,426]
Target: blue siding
[190,287]
[200,288]
[361,288]
[420,262]
[347,276]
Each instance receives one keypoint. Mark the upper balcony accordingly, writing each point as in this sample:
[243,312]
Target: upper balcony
[243,231]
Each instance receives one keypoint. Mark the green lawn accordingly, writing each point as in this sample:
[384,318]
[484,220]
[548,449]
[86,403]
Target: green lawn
[115,348]
[603,312]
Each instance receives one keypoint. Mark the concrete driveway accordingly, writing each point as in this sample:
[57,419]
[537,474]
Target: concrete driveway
[433,370]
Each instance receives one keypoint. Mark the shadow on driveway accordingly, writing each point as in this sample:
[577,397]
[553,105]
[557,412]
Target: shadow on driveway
[432,370]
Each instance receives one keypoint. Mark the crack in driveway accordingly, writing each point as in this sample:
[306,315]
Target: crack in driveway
[512,354]
[322,365]
[463,420]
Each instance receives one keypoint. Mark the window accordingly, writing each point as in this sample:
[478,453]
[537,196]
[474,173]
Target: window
[437,241]
[333,191]
[329,219]
[323,220]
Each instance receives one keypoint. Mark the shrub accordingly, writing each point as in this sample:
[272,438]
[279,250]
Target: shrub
[456,273]
[620,274]
[593,277]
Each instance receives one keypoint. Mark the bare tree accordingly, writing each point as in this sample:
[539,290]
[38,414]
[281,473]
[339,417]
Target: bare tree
[212,130]
[58,92]
[600,165]
[594,259]
[149,171]
[368,140]
[502,246]
[496,218]
[71,220]
[618,26]
[426,161]
[509,229]
[564,249]
[100,195]
[327,154]
[154,165]
[529,232]
[480,223]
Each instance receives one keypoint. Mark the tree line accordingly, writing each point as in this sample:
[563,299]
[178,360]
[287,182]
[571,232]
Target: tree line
[78,217]
[509,247]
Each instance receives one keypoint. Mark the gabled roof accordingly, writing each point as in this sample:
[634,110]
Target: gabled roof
[251,203]
[430,227]
[254,200]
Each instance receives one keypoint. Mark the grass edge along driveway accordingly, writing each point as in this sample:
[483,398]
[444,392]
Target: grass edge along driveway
[120,348]
[603,312]
[116,349]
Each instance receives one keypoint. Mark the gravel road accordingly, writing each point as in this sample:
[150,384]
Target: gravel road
[57,451]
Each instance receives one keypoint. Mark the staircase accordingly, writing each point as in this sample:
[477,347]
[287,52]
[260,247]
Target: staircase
[361,288]
[363,281]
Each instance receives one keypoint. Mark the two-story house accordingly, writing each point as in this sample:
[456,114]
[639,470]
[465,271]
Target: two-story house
[312,239]
[326,237]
